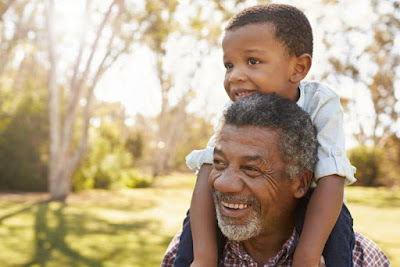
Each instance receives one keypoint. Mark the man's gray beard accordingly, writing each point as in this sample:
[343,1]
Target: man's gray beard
[232,231]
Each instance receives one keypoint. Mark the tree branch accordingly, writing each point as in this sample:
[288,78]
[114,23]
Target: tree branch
[75,92]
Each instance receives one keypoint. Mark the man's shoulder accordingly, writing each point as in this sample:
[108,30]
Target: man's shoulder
[367,253]
[172,250]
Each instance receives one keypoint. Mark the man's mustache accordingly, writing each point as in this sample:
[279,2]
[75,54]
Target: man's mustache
[250,200]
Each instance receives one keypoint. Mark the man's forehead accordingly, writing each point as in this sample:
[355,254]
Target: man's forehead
[250,140]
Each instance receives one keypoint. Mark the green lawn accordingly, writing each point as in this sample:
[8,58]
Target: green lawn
[134,227]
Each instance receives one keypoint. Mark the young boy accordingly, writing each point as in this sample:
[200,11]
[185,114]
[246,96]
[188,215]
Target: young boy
[268,49]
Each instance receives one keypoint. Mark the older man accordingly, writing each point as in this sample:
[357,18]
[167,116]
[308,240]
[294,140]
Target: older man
[263,163]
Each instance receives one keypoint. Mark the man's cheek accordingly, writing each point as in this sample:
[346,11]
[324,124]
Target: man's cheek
[267,188]
[214,174]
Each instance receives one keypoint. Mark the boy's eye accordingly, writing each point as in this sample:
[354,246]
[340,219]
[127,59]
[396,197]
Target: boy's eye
[253,61]
[228,65]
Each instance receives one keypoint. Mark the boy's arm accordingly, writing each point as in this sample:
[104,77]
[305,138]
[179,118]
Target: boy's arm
[322,213]
[203,222]
[332,171]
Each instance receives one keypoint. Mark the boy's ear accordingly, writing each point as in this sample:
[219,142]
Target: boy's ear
[302,184]
[302,65]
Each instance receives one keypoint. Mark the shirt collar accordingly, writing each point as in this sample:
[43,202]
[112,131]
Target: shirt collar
[300,101]
[235,249]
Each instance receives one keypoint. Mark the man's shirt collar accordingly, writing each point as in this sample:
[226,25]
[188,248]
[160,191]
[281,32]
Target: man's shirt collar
[234,251]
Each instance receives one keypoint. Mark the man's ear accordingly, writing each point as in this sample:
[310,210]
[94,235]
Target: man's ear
[301,67]
[302,183]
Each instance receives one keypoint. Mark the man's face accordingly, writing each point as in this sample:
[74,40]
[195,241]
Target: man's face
[256,61]
[251,194]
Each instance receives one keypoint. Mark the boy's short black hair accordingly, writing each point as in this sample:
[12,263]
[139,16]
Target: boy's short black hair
[292,27]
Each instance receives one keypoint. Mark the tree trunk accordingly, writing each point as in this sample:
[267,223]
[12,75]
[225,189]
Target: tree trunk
[55,180]
[64,159]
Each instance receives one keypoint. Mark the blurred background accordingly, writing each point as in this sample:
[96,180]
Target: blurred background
[100,102]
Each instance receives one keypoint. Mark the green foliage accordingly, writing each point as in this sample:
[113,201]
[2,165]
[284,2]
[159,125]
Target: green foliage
[196,135]
[132,178]
[108,164]
[135,144]
[368,161]
[23,145]
[390,164]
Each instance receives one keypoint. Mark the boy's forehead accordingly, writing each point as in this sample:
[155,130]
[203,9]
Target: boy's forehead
[253,28]
[256,37]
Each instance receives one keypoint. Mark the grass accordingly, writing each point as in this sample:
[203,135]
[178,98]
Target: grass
[376,214]
[134,227]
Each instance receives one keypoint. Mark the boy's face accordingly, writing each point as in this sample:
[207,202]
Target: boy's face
[256,61]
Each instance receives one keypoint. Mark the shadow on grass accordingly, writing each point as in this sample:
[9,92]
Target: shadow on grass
[48,239]
[14,213]
[77,237]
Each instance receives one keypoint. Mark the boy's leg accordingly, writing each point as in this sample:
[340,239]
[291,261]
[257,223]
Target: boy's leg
[184,256]
[338,249]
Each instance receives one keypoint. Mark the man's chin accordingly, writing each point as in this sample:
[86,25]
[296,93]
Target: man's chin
[236,231]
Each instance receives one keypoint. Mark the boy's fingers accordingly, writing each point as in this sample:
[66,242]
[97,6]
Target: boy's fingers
[322,262]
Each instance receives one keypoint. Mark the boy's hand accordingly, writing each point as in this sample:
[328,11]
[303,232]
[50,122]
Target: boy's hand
[322,262]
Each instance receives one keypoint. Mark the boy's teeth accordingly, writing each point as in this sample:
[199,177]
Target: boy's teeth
[234,205]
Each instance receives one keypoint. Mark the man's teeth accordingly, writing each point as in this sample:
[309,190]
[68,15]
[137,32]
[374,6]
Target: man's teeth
[234,205]
[243,94]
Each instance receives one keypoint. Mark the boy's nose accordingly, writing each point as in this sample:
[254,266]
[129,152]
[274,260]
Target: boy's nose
[229,182]
[237,75]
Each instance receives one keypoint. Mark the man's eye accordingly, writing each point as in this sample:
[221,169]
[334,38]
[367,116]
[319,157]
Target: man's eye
[250,170]
[228,65]
[253,61]
[218,164]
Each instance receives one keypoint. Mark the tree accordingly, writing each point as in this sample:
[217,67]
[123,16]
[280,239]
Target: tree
[377,51]
[91,62]
[15,32]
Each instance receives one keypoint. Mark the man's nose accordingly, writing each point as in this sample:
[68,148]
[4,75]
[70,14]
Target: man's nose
[238,74]
[229,181]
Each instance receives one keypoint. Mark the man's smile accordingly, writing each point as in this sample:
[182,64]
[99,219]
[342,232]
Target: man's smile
[235,206]
[235,210]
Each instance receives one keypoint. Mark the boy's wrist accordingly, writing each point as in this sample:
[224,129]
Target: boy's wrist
[305,258]
[301,261]
[204,262]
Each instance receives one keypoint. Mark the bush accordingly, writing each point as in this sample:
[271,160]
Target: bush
[108,163]
[133,179]
[368,161]
[23,148]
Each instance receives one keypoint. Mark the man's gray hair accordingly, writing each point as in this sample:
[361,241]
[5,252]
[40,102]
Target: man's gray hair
[298,143]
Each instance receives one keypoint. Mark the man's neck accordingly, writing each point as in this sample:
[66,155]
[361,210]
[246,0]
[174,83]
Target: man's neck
[267,245]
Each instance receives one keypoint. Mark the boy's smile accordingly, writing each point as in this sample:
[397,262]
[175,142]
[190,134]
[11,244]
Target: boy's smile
[255,60]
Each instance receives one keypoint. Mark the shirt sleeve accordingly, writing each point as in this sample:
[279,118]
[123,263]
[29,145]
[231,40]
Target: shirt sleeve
[331,155]
[367,253]
[197,158]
